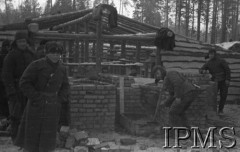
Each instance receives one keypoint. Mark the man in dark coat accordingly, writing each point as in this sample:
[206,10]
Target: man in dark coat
[181,95]
[14,64]
[221,74]
[3,97]
[46,85]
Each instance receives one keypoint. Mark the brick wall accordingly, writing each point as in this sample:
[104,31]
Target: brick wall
[96,104]
[93,105]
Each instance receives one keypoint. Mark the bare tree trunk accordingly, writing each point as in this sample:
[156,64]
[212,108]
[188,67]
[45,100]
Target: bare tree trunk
[199,19]
[214,21]
[166,13]
[187,17]
[207,20]
[193,18]
[224,20]
[176,15]
[7,11]
[120,6]
[236,23]
[74,5]
[179,16]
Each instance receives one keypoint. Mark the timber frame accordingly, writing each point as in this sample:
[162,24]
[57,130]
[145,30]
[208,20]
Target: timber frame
[78,31]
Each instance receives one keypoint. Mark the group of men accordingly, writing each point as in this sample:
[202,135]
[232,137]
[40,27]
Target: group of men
[36,88]
[182,92]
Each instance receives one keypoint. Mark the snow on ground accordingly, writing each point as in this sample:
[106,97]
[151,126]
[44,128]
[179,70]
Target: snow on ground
[152,143]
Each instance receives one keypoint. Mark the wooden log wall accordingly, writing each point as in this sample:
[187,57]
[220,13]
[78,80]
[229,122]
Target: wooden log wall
[188,57]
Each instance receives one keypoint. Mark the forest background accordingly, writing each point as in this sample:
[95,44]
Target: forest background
[211,21]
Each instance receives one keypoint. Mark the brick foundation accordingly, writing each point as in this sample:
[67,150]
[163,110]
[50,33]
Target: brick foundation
[96,105]
[93,105]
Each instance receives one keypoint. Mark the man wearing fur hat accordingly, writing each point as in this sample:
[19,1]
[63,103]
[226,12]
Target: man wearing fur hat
[46,85]
[14,64]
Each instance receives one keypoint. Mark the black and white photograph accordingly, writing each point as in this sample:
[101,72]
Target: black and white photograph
[119,75]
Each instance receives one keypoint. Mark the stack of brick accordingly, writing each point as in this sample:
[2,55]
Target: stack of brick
[93,106]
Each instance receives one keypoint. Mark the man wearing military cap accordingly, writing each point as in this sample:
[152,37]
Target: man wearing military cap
[45,83]
[14,64]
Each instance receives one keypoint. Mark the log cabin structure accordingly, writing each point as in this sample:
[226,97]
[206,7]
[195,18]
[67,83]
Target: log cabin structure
[86,39]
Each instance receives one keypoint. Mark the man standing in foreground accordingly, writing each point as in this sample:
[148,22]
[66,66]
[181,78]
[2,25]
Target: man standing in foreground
[221,74]
[14,65]
[46,85]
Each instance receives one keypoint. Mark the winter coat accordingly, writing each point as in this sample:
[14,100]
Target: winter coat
[218,68]
[46,86]
[14,65]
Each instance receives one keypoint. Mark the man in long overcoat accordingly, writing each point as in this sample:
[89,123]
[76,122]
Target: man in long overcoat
[46,85]
[14,65]
[3,97]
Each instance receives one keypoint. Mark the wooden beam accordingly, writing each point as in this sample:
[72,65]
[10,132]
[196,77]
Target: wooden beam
[94,51]
[133,37]
[82,52]
[62,15]
[76,52]
[86,47]
[99,45]
[158,57]
[79,20]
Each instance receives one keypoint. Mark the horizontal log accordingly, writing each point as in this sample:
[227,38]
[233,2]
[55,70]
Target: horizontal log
[92,36]
[72,22]
[62,15]
[233,98]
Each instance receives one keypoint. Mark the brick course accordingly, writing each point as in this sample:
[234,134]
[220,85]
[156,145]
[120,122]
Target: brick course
[93,105]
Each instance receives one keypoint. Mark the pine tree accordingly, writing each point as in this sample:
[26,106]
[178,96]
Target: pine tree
[62,6]
[48,7]
[30,9]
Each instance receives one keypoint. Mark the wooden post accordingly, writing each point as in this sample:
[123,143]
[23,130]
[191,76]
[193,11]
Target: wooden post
[99,45]
[158,57]
[123,49]
[82,52]
[67,51]
[123,55]
[76,54]
[65,48]
[86,47]
[138,47]
[112,51]
[146,70]
[121,92]
[77,47]
[71,58]
[94,51]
